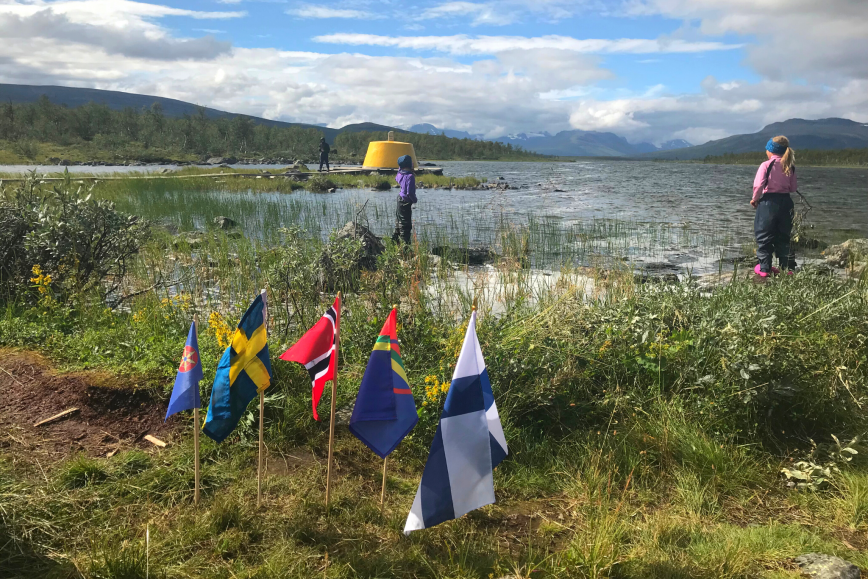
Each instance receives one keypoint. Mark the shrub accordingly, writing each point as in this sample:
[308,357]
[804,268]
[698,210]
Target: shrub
[79,242]
[320,184]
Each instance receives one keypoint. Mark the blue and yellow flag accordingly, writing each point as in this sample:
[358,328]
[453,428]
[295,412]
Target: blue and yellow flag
[244,371]
[385,411]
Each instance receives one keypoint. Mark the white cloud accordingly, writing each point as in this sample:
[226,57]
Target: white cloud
[463,45]
[818,41]
[720,110]
[142,41]
[487,13]
[482,84]
[322,12]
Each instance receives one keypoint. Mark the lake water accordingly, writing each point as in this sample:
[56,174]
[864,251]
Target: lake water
[660,215]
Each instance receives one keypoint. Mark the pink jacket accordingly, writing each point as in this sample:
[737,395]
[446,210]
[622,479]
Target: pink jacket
[774,180]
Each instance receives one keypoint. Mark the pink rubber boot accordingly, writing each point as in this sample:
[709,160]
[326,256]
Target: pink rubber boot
[759,271]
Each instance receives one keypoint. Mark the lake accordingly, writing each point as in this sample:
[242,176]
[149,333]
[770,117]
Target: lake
[663,216]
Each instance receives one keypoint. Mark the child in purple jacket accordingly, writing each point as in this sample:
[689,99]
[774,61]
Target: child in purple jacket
[773,224]
[406,198]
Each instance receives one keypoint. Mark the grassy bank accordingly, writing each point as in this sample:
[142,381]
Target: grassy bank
[647,423]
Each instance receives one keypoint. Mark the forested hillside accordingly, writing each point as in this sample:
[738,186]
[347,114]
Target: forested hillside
[839,157]
[31,132]
[436,146]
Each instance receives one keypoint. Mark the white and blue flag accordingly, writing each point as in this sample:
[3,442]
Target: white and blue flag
[468,445]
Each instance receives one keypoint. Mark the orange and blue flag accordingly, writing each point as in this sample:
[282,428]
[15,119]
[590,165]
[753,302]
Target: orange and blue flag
[243,371]
[185,393]
[385,411]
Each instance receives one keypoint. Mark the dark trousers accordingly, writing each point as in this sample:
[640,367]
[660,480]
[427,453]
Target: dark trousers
[773,226]
[403,221]
[324,160]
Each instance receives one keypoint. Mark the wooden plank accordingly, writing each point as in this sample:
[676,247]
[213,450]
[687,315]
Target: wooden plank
[114,177]
[66,412]
[155,441]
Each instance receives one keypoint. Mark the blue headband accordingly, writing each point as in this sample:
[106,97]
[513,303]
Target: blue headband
[775,148]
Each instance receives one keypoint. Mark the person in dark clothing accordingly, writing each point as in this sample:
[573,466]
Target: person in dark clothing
[324,150]
[406,198]
[773,223]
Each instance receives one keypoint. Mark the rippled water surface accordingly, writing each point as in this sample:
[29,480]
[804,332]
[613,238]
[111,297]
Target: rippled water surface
[663,216]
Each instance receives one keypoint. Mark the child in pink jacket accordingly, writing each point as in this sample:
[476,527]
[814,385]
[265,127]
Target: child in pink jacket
[773,224]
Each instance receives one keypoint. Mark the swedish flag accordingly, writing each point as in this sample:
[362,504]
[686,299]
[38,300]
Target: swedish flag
[243,371]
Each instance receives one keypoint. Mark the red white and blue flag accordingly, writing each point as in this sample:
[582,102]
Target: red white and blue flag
[316,351]
[185,393]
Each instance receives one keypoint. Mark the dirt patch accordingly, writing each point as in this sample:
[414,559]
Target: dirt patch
[286,463]
[112,412]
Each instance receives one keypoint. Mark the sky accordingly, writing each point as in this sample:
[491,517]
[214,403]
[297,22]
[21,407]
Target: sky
[648,70]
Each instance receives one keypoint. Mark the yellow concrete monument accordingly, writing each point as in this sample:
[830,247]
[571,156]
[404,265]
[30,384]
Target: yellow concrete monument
[384,154]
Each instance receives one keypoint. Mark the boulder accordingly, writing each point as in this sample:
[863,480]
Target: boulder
[222,222]
[52,161]
[849,252]
[215,161]
[479,255]
[820,566]
[372,246]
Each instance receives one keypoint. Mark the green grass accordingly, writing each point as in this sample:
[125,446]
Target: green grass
[647,423]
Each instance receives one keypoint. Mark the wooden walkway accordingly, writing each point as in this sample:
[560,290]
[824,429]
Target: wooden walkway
[261,175]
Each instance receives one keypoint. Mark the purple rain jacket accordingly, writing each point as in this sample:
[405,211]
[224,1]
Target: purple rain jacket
[407,181]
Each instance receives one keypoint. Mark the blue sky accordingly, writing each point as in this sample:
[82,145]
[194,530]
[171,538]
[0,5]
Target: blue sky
[649,70]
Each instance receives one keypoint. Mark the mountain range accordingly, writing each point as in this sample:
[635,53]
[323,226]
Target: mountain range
[831,133]
[574,143]
[76,97]
[802,134]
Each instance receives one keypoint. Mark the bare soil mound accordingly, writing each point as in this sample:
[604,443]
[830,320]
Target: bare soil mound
[112,412]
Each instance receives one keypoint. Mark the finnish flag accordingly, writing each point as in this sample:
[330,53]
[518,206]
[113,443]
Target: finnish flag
[468,445]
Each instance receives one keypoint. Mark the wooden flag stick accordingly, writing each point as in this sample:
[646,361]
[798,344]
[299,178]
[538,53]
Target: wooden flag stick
[383,491]
[261,416]
[259,470]
[334,400]
[196,428]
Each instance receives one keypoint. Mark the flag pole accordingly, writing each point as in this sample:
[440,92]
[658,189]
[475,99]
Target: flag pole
[334,401]
[261,414]
[196,427]
[383,491]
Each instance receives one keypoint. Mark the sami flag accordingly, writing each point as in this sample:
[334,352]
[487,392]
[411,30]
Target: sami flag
[468,444]
[185,393]
[385,411]
[243,371]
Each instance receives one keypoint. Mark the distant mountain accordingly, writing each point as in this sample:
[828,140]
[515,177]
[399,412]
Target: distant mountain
[803,134]
[578,144]
[428,129]
[674,144]
[76,97]
[565,143]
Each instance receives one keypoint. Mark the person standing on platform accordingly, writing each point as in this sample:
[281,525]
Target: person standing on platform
[406,198]
[324,150]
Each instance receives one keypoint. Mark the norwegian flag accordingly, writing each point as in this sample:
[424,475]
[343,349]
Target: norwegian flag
[316,351]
